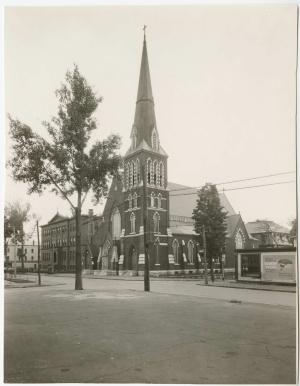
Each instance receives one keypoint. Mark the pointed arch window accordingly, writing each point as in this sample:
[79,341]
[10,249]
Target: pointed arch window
[149,171]
[130,201]
[175,246]
[130,175]
[133,173]
[154,172]
[135,200]
[161,174]
[156,220]
[190,251]
[138,171]
[239,240]
[159,201]
[116,224]
[152,200]
[132,223]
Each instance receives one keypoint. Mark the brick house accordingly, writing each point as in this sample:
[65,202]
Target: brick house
[58,242]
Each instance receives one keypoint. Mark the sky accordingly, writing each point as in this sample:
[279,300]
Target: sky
[223,80]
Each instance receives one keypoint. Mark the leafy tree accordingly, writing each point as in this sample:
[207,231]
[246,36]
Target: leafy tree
[210,214]
[293,231]
[64,163]
[15,216]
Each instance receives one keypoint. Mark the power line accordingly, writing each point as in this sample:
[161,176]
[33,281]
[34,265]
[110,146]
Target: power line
[240,188]
[233,181]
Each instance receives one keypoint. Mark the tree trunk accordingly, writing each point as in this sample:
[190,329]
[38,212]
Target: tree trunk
[78,269]
[22,249]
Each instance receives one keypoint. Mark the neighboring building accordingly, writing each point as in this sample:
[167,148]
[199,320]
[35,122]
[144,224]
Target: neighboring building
[268,233]
[58,242]
[30,253]
[267,264]
[173,243]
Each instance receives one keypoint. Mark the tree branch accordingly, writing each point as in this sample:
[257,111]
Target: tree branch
[82,202]
[59,188]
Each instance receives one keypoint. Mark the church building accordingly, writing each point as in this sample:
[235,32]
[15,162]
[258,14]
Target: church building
[145,192]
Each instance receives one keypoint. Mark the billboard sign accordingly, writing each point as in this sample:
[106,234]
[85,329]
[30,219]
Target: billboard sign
[279,267]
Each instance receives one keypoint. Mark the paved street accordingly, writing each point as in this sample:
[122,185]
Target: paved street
[180,332]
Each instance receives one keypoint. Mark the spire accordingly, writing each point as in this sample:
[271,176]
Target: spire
[145,89]
[144,119]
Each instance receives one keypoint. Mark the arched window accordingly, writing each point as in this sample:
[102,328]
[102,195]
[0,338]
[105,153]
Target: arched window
[138,171]
[159,201]
[154,172]
[129,201]
[149,171]
[161,174]
[175,246]
[239,240]
[152,198]
[135,200]
[127,172]
[132,223]
[190,251]
[156,219]
[116,224]
[130,175]
[133,174]
[106,248]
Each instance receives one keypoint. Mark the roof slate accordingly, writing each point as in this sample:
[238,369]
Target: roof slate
[183,205]
[265,226]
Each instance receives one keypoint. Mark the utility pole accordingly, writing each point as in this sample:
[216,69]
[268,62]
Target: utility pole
[212,271]
[223,263]
[15,256]
[39,251]
[204,254]
[146,269]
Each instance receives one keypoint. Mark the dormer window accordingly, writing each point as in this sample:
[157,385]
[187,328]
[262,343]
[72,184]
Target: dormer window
[133,138]
[154,139]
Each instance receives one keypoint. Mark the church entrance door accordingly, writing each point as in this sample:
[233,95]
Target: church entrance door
[133,260]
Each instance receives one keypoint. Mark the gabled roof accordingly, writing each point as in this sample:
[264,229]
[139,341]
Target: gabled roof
[183,205]
[58,217]
[183,230]
[265,226]
[231,224]
[144,146]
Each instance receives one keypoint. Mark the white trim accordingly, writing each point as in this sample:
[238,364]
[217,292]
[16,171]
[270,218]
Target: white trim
[141,258]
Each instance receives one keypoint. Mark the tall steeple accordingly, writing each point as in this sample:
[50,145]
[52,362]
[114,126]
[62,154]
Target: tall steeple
[144,119]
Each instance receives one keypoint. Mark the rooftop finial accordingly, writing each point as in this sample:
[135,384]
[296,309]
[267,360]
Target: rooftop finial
[144,29]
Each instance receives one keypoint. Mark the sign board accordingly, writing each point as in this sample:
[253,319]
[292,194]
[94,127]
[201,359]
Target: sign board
[279,267]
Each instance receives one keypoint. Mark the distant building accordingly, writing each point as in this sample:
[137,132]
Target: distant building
[268,233]
[58,242]
[30,253]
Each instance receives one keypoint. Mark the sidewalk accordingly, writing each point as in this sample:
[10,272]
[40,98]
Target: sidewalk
[216,283]
[24,281]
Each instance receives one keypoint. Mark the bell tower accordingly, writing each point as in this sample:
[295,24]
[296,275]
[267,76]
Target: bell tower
[146,153]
